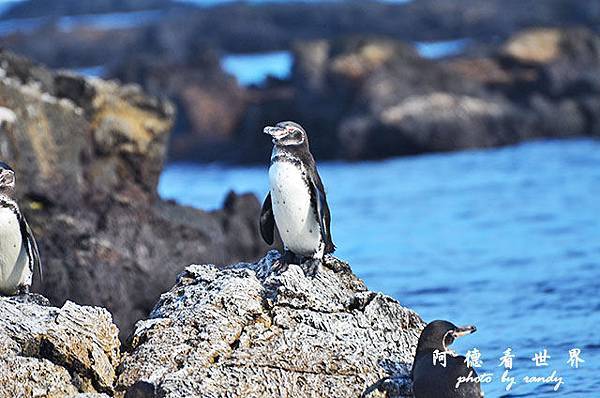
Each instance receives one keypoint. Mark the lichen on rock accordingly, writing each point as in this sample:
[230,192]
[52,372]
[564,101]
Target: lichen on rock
[244,330]
[55,352]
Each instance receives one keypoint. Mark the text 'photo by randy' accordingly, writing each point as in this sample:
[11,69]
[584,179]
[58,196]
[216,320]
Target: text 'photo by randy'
[271,198]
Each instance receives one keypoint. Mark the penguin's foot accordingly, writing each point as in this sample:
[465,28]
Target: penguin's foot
[311,267]
[24,295]
[289,257]
[280,266]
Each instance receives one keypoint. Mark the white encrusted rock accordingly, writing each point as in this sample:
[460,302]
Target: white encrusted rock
[55,352]
[244,331]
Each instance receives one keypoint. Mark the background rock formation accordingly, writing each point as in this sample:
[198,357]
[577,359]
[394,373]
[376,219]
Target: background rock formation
[525,72]
[242,330]
[88,155]
[371,98]
[56,352]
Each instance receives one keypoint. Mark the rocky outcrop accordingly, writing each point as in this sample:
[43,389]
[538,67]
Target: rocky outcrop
[360,98]
[176,52]
[73,137]
[272,26]
[210,102]
[237,330]
[244,330]
[372,98]
[88,154]
[53,352]
[550,75]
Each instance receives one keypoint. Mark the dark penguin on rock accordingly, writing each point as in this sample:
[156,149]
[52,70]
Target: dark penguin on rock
[296,202]
[19,253]
[436,381]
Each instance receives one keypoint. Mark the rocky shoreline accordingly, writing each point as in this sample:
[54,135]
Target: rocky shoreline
[237,330]
[363,91]
[56,352]
[88,154]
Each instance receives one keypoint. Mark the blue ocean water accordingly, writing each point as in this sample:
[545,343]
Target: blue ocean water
[440,49]
[506,239]
[254,68]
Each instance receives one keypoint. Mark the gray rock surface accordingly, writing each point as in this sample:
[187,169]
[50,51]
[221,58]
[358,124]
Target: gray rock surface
[56,352]
[245,331]
[88,154]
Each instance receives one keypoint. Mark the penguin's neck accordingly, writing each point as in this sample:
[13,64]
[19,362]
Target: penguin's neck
[294,154]
[7,193]
[6,200]
[283,153]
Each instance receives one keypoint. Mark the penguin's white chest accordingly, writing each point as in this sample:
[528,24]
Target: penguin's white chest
[293,209]
[14,266]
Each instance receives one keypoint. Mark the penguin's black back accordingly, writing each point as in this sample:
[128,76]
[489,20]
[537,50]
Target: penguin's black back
[436,381]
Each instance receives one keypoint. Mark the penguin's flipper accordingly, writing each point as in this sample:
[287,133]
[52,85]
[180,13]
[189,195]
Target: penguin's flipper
[321,203]
[267,220]
[322,211]
[32,248]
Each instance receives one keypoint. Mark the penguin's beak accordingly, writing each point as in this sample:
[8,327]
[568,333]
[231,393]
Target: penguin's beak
[275,132]
[463,331]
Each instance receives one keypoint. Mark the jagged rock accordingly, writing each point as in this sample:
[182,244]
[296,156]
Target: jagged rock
[534,46]
[210,102]
[372,98]
[243,330]
[88,154]
[74,136]
[56,352]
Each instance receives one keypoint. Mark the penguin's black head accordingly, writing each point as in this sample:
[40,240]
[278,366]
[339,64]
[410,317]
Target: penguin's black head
[287,134]
[438,335]
[7,178]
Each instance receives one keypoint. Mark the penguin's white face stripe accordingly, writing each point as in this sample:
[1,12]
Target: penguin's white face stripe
[293,209]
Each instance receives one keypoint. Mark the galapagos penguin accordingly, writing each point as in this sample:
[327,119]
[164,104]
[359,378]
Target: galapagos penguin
[296,202]
[437,381]
[19,253]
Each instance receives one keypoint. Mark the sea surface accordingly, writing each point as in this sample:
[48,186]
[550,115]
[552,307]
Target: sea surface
[506,239]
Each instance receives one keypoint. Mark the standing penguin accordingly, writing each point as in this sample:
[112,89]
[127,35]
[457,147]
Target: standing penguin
[437,381]
[296,202]
[18,250]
